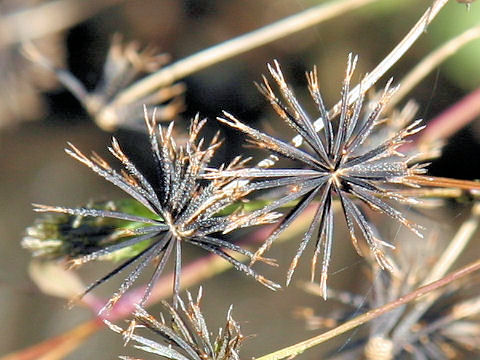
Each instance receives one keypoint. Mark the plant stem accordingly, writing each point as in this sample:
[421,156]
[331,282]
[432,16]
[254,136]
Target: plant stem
[418,29]
[456,246]
[370,315]
[444,263]
[430,62]
[435,181]
[380,70]
[236,46]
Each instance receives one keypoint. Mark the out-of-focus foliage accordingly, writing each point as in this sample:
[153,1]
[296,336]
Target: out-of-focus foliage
[462,69]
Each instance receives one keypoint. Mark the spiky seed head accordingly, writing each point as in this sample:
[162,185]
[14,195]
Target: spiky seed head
[337,164]
[443,325]
[182,207]
[182,333]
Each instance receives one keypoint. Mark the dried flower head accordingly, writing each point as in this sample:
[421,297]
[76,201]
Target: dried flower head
[186,337]
[125,63]
[184,207]
[338,164]
[443,325]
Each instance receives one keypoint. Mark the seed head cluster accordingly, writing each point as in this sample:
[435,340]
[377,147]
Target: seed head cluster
[185,336]
[333,165]
[184,207]
[443,325]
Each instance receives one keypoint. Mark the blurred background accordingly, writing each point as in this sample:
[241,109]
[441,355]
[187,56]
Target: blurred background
[38,116]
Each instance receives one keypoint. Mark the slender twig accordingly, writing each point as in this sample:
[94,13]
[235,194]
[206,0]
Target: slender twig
[445,193]
[370,315]
[430,62]
[376,73]
[456,246]
[385,65]
[425,180]
[444,263]
[272,32]
[36,22]
[236,46]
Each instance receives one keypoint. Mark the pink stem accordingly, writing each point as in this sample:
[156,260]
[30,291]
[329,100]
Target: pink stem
[452,119]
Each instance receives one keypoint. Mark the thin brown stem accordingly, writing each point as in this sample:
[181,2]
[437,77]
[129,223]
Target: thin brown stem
[236,46]
[370,315]
[444,263]
[444,193]
[389,60]
[435,181]
[385,65]
[430,62]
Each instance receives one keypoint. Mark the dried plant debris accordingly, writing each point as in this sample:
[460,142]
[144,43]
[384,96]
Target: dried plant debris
[21,82]
[125,63]
[184,336]
[183,207]
[443,325]
[336,164]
